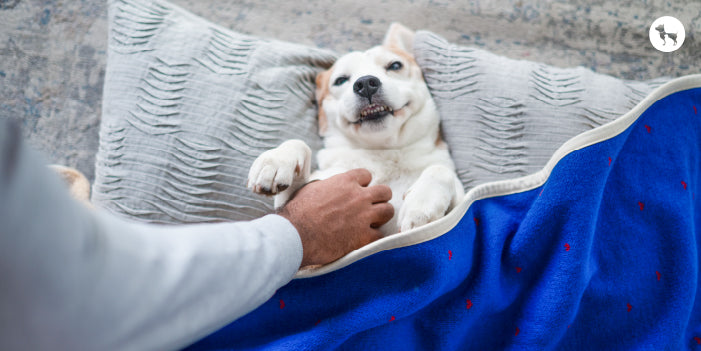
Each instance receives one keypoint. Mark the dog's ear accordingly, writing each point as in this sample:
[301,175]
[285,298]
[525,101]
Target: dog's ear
[322,89]
[400,37]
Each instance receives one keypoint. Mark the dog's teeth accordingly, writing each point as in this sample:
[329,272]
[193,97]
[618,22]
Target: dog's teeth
[375,109]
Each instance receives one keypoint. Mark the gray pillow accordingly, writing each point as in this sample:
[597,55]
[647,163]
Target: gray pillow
[504,118]
[187,107]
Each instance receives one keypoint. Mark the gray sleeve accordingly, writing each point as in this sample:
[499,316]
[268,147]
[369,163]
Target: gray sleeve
[74,278]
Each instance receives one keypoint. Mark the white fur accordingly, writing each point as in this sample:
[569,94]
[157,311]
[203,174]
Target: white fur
[402,150]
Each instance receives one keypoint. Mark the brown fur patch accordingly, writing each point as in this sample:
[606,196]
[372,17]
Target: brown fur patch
[322,90]
[403,54]
[440,143]
[411,63]
[78,185]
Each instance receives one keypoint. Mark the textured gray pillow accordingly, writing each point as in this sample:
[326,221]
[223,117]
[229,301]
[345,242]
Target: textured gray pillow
[187,107]
[504,118]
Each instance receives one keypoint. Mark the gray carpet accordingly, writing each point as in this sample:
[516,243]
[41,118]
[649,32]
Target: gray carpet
[52,52]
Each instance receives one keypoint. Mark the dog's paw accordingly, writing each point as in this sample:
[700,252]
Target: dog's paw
[429,198]
[421,207]
[274,171]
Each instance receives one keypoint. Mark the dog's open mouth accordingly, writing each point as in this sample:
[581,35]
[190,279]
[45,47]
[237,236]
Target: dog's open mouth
[374,112]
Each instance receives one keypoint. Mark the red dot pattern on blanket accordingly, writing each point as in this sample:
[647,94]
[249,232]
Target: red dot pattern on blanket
[392,319]
[685,185]
[450,255]
[567,247]
[282,304]
[468,304]
[518,331]
[610,160]
[696,112]
[518,269]
[477,221]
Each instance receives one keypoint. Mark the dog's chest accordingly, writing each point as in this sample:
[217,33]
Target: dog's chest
[390,167]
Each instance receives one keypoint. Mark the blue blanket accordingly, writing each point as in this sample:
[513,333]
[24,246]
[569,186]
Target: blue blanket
[601,254]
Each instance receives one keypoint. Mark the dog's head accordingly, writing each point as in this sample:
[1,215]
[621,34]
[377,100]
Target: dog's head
[377,98]
[660,28]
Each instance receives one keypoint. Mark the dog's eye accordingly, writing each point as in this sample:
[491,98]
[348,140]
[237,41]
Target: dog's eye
[340,80]
[395,66]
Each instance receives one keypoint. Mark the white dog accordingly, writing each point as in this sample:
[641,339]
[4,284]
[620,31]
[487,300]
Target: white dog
[375,112]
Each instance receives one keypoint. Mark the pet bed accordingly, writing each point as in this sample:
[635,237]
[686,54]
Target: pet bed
[578,229]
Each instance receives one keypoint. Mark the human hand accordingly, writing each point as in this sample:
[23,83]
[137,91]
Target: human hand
[338,215]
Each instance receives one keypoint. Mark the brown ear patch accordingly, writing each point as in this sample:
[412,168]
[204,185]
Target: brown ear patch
[322,90]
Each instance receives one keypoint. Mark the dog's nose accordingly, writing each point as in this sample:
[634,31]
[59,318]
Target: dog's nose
[366,86]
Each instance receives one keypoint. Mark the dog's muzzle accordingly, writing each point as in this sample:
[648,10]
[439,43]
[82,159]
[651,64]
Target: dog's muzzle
[366,87]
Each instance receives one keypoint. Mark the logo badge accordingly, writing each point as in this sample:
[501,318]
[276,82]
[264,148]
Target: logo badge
[667,34]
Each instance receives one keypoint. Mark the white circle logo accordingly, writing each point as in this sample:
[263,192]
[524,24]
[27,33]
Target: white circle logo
[667,34]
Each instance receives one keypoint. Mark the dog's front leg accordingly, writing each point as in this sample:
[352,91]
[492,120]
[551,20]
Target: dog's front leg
[281,171]
[437,191]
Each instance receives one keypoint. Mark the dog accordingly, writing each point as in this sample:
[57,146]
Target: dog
[672,36]
[375,111]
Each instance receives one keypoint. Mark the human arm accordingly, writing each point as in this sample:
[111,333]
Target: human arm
[72,278]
